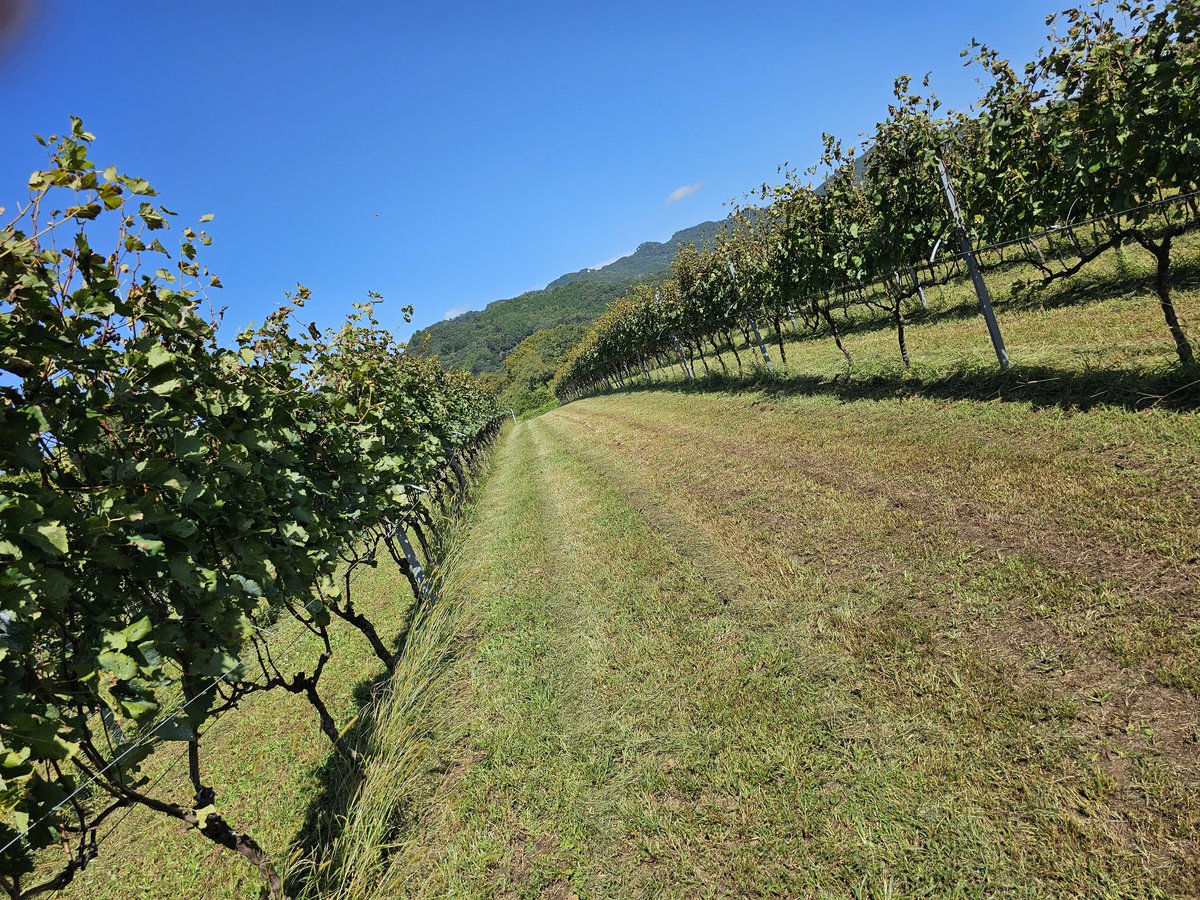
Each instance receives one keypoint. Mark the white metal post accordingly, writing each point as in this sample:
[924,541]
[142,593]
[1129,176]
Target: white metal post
[981,290]
[762,348]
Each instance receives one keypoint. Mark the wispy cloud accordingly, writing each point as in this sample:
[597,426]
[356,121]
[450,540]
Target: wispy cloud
[608,262]
[454,312]
[685,191]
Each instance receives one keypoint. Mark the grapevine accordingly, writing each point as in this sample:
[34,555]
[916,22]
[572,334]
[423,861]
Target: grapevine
[168,502]
[1091,146]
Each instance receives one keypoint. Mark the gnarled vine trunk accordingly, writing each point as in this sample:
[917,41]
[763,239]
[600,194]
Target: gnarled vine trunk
[1161,252]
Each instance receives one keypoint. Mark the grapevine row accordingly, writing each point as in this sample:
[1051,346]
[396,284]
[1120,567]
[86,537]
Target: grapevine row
[169,504]
[1103,127]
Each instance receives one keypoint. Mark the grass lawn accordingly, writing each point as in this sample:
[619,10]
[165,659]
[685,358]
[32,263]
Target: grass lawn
[732,645]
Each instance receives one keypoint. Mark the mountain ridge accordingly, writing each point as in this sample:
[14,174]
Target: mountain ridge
[478,340]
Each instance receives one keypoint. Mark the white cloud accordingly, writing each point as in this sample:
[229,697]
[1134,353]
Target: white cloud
[454,312]
[685,191]
[607,262]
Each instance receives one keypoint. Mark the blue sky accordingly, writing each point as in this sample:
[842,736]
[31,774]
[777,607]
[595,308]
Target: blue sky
[447,154]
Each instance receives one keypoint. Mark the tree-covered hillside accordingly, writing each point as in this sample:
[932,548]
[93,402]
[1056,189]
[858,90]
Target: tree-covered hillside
[649,260]
[524,385]
[480,339]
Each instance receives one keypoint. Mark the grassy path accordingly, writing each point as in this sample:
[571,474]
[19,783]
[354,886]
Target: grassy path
[744,646]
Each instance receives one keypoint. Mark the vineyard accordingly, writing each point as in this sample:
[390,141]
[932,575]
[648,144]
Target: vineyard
[813,584]
[1091,147]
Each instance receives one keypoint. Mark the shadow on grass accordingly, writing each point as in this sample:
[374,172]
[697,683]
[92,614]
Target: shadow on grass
[1040,386]
[338,780]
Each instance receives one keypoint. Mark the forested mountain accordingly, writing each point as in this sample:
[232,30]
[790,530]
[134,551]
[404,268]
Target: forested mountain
[480,339]
[524,384]
[650,260]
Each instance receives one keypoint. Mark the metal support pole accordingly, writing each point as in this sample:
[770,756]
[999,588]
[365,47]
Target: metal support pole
[115,735]
[642,363]
[762,348]
[687,366]
[912,273]
[456,466]
[414,564]
[981,290]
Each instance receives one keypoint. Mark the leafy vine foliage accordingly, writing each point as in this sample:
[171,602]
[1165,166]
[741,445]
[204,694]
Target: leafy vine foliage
[1094,144]
[169,503]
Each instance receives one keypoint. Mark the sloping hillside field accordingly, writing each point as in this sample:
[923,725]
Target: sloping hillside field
[801,645]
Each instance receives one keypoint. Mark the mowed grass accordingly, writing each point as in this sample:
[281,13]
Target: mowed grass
[897,637]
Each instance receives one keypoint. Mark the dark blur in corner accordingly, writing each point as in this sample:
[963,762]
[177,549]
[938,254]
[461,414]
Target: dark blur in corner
[14,17]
